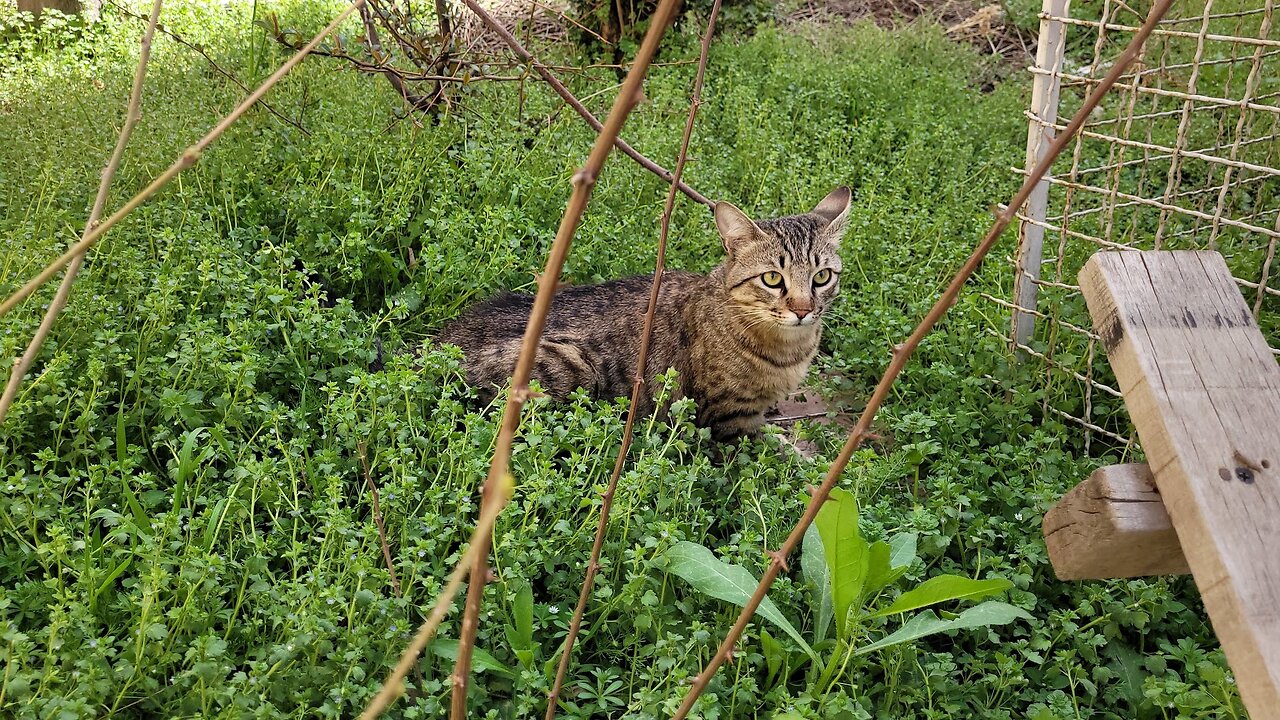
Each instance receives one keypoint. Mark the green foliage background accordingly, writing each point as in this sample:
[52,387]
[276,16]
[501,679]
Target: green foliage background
[185,528]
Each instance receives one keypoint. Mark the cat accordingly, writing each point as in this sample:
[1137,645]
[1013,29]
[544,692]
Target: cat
[740,337]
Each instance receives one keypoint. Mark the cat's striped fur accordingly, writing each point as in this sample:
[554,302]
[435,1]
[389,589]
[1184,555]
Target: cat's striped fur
[741,336]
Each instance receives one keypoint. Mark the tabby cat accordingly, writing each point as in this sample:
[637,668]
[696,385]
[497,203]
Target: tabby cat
[741,337]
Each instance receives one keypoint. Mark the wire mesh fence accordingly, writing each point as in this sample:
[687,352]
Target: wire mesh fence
[1183,154]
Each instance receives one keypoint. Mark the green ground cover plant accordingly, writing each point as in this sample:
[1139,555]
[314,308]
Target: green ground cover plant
[185,524]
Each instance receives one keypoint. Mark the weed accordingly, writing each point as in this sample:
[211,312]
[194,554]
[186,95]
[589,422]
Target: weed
[185,527]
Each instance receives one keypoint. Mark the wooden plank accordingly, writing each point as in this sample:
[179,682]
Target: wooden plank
[1113,525]
[1204,393]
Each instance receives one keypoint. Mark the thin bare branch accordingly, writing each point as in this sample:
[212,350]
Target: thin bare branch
[638,385]
[377,516]
[133,113]
[417,102]
[583,182]
[199,50]
[394,684]
[581,109]
[902,353]
[189,157]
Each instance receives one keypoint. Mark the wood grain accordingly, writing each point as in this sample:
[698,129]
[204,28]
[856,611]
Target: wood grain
[1113,525]
[1204,393]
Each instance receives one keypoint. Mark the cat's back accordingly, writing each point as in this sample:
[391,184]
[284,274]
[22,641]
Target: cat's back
[609,308]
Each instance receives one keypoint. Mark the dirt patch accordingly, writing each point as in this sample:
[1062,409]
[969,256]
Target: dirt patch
[982,25]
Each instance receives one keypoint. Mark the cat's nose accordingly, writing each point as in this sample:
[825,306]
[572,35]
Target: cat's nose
[801,312]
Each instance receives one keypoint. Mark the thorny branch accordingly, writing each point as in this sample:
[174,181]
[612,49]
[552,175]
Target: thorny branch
[199,49]
[902,353]
[583,182]
[572,101]
[189,157]
[638,385]
[133,113]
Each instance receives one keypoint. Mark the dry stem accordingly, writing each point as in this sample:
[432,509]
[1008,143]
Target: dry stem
[583,182]
[394,683]
[199,50]
[638,385]
[133,113]
[189,157]
[397,81]
[377,516]
[902,353]
[572,101]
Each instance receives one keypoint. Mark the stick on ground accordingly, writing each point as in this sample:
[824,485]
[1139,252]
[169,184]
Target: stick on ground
[573,102]
[902,353]
[189,157]
[639,385]
[583,182]
[133,113]
[394,684]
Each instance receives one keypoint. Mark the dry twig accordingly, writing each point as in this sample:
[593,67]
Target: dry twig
[377,516]
[583,182]
[638,385]
[199,50]
[902,353]
[133,113]
[568,97]
[189,157]
[394,683]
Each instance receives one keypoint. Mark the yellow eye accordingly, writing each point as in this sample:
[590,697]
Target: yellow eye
[772,279]
[822,277]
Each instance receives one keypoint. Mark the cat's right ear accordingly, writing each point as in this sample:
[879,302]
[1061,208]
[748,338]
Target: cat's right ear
[833,210]
[736,229]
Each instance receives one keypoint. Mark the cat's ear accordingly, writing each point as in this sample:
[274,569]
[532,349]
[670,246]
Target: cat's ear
[736,229]
[834,210]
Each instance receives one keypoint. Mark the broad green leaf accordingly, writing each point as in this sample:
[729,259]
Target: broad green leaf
[813,563]
[846,552]
[520,631]
[480,659]
[1127,665]
[187,462]
[774,655]
[888,562]
[987,614]
[522,613]
[879,573]
[111,578]
[731,583]
[121,447]
[140,516]
[902,550]
[214,522]
[941,589]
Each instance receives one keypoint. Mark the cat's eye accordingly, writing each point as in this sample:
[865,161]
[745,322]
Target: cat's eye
[772,279]
[822,277]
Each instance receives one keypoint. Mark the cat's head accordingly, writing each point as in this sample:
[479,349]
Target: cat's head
[784,272]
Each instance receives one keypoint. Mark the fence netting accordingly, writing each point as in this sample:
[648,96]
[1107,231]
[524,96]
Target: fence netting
[1183,154]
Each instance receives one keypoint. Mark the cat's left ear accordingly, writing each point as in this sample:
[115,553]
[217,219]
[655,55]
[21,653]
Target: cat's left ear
[834,209]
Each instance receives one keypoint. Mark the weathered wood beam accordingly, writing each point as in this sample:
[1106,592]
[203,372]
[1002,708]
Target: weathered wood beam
[1113,525]
[1203,390]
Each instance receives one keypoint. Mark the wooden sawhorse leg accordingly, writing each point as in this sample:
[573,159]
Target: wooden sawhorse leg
[1203,390]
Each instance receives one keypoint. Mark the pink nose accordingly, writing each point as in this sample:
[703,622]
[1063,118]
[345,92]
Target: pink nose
[801,312]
